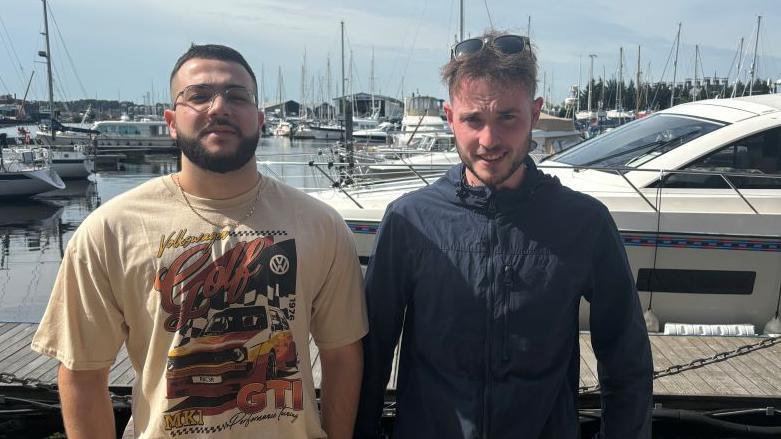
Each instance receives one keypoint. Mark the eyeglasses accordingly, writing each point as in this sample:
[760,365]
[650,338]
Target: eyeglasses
[200,97]
[507,44]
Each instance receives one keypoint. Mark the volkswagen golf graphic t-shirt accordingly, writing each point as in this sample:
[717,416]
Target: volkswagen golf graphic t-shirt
[216,320]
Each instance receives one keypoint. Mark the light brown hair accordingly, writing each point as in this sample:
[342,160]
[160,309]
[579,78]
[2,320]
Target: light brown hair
[491,64]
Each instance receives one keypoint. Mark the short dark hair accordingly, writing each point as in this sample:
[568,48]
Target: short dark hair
[491,64]
[212,51]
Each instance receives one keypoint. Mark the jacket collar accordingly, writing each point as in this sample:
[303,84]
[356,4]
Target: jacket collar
[481,196]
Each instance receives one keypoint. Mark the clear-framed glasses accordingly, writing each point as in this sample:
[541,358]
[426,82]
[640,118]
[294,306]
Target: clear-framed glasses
[200,97]
[507,44]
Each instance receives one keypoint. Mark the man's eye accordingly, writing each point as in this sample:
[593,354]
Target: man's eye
[199,97]
[239,97]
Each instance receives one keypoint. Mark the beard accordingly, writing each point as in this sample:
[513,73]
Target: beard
[498,179]
[193,149]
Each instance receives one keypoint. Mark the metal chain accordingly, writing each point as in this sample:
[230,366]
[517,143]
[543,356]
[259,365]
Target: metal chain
[700,362]
[34,383]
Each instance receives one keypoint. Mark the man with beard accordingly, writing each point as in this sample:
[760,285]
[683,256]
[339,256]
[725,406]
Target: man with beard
[214,278]
[484,272]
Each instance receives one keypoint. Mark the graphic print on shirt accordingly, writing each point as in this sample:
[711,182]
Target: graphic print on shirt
[233,313]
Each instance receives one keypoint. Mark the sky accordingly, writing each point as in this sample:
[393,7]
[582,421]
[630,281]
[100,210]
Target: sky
[110,49]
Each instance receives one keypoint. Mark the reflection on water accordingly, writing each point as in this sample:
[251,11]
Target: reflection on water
[34,233]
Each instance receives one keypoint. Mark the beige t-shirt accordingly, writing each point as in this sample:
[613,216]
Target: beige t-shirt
[216,321]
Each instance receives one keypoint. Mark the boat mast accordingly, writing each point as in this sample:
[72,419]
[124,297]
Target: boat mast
[620,83]
[696,71]
[49,70]
[303,87]
[590,80]
[637,86]
[740,66]
[754,62]
[675,65]
[461,21]
[262,100]
[344,95]
[371,82]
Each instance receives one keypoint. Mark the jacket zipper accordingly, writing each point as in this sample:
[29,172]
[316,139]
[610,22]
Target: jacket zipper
[508,283]
[489,318]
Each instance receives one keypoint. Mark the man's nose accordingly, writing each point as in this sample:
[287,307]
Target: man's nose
[488,136]
[218,105]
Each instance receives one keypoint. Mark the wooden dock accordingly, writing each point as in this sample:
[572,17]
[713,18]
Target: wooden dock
[750,380]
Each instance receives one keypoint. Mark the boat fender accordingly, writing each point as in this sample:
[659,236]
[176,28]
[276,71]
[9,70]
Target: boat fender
[773,327]
[651,321]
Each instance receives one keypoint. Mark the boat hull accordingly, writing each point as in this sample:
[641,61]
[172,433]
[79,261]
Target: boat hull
[71,164]
[28,183]
[684,256]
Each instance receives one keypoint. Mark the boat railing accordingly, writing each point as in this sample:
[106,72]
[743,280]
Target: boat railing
[349,186]
[663,173]
[16,159]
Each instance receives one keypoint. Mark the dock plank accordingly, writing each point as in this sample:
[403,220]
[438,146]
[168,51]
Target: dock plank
[719,373]
[588,376]
[755,374]
[680,355]
[747,370]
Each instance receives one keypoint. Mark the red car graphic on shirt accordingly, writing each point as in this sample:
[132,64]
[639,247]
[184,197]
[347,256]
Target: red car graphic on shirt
[238,346]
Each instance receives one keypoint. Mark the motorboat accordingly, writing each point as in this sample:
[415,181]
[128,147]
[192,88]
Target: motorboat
[695,191]
[69,162]
[421,114]
[334,131]
[147,134]
[435,152]
[378,135]
[283,129]
[554,134]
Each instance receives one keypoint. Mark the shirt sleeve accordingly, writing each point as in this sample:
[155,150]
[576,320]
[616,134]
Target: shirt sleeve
[619,339]
[83,326]
[339,309]
[386,297]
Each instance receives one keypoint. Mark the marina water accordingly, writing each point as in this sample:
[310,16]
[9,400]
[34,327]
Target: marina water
[34,232]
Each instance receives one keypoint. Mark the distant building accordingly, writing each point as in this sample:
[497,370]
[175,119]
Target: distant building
[325,111]
[388,107]
[291,108]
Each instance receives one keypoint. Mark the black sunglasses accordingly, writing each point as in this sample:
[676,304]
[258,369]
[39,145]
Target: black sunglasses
[507,44]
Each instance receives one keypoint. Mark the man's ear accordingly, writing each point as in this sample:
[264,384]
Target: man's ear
[261,119]
[449,114]
[170,120]
[536,108]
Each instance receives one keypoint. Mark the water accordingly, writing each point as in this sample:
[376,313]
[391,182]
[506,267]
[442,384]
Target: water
[34,232]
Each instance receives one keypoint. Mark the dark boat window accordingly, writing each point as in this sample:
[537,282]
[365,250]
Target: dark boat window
[637,142]
[695,281]
[755,156]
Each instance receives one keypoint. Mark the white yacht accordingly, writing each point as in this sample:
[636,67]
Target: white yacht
[143,134]
[695,191]
[421,114]
[69,162]
[336,132]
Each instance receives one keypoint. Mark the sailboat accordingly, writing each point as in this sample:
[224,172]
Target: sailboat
[23,174]
[69,161]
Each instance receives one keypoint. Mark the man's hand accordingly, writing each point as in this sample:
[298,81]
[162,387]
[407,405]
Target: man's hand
[86,407]
[342,371]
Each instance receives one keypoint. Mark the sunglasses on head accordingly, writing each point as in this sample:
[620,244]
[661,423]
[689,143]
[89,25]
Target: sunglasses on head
[507,44]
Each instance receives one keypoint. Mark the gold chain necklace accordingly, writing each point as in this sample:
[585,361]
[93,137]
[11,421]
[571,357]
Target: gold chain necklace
[231,223]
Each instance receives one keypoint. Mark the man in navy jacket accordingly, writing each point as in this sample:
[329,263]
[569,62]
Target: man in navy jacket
[484,270]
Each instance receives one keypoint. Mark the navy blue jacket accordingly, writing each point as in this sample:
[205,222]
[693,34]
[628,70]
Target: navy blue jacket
[486,285]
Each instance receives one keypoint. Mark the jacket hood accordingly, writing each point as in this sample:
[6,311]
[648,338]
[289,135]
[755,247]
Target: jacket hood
[534,182]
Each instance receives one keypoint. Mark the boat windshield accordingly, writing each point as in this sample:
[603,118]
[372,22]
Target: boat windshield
[637,142]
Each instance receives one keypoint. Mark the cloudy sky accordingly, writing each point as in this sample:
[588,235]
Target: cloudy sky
[125,49]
